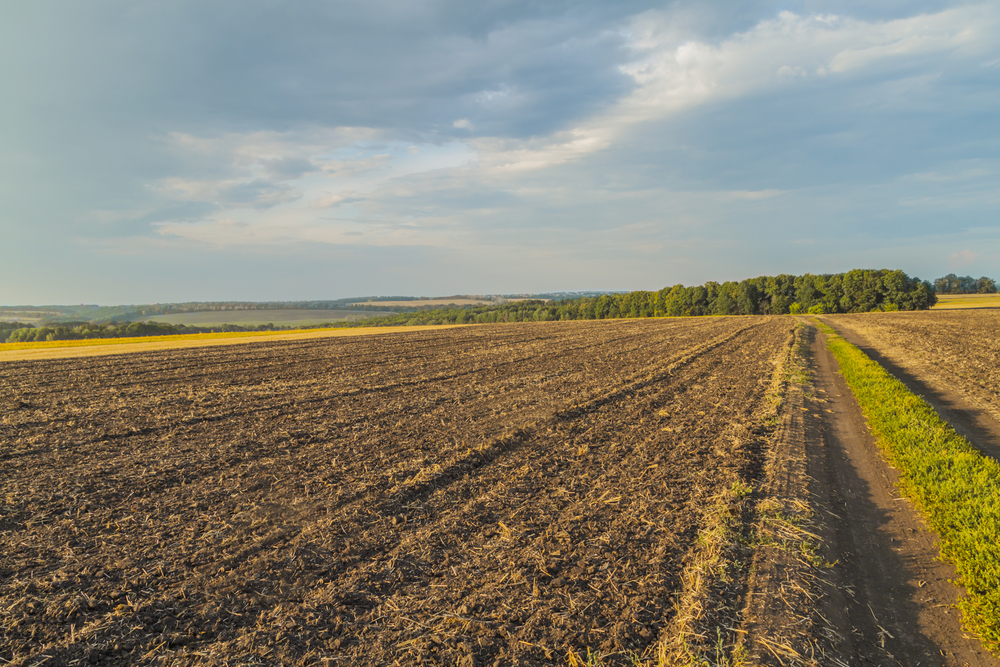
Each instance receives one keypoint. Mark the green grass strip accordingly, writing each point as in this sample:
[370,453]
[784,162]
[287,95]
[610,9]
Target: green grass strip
[955,486]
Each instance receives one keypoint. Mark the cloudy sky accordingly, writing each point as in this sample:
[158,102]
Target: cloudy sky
[170,150]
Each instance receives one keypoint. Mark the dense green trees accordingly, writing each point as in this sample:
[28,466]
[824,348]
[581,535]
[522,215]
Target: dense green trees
[952,284]
[852,292]
[6,328]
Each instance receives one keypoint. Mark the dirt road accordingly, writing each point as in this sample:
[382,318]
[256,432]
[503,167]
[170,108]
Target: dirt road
[890,601]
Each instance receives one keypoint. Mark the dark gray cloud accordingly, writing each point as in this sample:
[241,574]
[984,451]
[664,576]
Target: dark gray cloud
[399,65]
[93,87]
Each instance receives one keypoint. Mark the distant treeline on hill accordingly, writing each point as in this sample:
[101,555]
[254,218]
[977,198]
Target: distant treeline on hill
[68,316]
[856,291]
[952,284]
[129,313]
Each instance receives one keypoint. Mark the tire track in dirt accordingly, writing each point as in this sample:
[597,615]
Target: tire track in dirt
[504,446]
[319,349]
[267,413]
[149,365]
[422,384]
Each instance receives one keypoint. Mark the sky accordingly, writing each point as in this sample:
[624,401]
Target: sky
[172,150]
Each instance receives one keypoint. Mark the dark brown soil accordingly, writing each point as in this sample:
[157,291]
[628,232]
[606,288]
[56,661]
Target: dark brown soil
[477,496]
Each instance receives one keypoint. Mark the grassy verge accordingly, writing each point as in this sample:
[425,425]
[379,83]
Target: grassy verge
[956,488]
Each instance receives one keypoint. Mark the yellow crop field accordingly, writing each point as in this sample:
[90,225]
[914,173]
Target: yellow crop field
[963,301]
[62,349]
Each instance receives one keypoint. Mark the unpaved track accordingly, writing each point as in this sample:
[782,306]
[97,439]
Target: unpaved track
[891,602]
[477,496]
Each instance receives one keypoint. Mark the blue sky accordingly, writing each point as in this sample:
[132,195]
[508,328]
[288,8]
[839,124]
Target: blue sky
[176,150]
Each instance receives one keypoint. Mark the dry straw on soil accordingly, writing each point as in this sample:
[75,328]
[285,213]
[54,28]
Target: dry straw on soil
[512,494]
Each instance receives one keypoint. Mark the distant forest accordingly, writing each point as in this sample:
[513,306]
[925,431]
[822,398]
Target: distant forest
[855,291]
[952,284]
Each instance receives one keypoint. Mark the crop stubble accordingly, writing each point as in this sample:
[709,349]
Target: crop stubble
[475,496]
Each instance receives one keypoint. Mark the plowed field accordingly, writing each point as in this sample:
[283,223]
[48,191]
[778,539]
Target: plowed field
[475,496]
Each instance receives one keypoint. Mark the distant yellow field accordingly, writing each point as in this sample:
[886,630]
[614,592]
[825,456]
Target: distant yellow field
[960,301]
[63,349]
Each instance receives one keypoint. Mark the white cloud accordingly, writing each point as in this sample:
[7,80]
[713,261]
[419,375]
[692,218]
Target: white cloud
[257,169]
[293,227]
[106,217]
[246,148]
[356,165]
[792,72]
[230,193]
[928,34]
[328,201]
[963,258]
[673,74]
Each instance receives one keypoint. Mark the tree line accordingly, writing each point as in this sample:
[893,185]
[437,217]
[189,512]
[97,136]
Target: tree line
[856,291]
[952,284]
[26,333]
